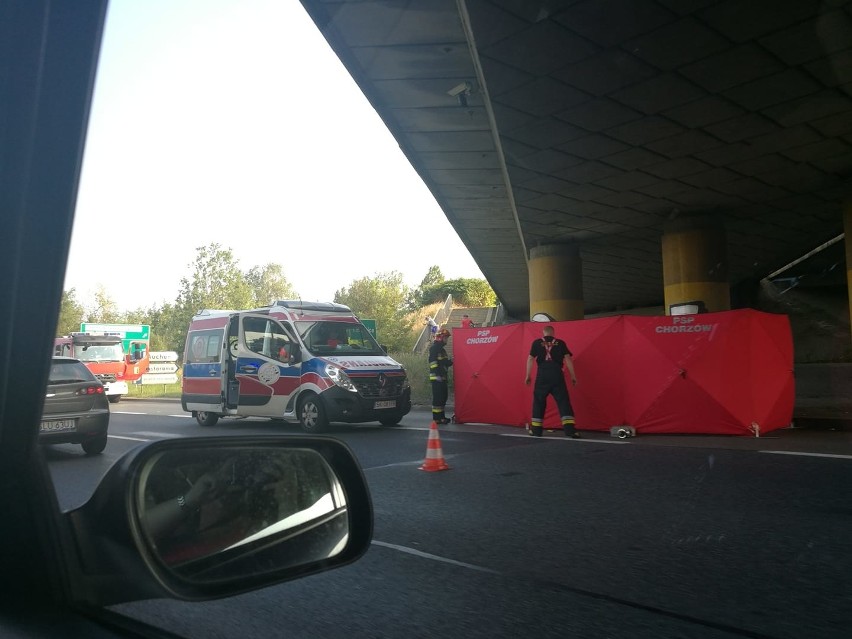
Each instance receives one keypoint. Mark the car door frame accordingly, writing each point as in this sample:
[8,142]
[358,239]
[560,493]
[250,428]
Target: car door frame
[264,397]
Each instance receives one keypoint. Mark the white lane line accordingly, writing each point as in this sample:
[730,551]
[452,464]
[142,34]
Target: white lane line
[126,412]
[395,464]
[157,435]
[426,555]
[185,416]
[800,454]
[564,439]
[131,439]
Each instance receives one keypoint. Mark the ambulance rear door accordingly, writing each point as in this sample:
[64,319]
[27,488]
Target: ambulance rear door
[203,369]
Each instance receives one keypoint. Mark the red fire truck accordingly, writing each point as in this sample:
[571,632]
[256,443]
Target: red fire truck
[103,353]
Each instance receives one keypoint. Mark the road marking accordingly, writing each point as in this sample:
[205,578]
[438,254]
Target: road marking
[158,435]
[405,463]
[426,555]
[184,416]
[126,412]
[564,439]
[800,454]
[132,439]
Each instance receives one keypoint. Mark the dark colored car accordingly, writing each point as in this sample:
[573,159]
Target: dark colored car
[76,410]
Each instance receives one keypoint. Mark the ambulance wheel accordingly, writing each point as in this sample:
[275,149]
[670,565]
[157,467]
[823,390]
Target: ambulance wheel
[113,399]
[206,419]
[312,414]
[391,420]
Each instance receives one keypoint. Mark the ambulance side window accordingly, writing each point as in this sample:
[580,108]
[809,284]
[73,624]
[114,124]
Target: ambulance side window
[268,338]
[204,347]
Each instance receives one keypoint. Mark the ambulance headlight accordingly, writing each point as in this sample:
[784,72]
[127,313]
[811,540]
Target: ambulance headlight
[340,378]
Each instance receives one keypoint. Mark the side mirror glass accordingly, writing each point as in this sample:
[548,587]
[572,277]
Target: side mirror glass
[209,515]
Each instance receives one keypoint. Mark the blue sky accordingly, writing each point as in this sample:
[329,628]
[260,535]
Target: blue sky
[232,121]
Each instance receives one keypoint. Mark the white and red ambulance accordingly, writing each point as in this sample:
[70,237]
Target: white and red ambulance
[307,362]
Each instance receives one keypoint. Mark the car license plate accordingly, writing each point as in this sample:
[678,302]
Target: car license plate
[389,403]
[58,425]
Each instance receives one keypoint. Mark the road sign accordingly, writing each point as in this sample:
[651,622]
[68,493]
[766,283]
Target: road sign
[129,332]
[370,325]
[162,356]
[162,367]
[159,378]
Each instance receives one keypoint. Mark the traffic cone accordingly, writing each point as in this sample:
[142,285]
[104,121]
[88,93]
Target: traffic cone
[434,456]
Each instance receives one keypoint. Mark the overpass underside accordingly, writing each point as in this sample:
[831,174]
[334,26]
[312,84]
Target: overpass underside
[650,152]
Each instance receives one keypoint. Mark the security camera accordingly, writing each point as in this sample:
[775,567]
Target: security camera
[460,89]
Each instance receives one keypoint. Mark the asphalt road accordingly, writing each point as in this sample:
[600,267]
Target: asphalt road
[548,537]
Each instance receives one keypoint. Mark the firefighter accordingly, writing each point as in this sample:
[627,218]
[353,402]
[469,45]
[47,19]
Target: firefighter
[439,364]
[551,355]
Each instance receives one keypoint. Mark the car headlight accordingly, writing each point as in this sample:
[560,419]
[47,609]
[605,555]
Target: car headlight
[340,378]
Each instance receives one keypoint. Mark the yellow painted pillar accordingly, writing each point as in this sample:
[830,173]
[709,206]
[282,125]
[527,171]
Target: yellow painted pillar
[847,229]
[695,263]
[556,281]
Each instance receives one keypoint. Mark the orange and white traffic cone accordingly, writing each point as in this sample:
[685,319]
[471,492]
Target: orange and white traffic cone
[434,455]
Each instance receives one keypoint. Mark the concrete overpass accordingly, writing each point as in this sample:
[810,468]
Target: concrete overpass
[616,154]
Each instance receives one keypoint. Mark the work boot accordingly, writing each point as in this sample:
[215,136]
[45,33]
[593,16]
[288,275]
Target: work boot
[536,431]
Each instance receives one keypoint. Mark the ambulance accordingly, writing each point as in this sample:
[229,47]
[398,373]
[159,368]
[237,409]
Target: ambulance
[311,363]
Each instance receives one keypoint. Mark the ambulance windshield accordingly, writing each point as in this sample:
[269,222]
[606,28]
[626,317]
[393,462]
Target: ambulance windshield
[331,337]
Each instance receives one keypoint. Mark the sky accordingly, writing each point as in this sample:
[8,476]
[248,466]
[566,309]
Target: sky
[232,121]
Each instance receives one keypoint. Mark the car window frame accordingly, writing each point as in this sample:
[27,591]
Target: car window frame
[46,90]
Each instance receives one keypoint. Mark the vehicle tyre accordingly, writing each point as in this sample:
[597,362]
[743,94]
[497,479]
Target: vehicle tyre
[95,446]
[312,414]
[113,399]
[206,419]
[391,420]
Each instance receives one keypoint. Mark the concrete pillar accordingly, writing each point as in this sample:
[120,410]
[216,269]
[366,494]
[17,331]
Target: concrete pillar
[556,281]
[695,263]
[847,229]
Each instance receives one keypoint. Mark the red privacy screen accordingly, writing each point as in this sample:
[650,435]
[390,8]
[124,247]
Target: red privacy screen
[724,373]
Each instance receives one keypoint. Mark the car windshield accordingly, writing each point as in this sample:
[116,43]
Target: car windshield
[98,352]
[645,208]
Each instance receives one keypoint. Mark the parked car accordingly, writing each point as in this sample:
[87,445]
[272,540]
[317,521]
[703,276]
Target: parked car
[76,409]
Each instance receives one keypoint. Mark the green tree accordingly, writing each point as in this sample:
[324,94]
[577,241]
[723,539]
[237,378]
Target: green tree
[433,278]
[157,318]
[382,298]
[268,283]
[71,313]
[215,282]
[104,309]
[465,292]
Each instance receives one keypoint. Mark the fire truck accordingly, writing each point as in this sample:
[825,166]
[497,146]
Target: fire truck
[114,360]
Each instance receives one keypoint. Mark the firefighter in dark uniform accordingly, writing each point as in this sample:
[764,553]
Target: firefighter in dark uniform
[439,364]
[551,355]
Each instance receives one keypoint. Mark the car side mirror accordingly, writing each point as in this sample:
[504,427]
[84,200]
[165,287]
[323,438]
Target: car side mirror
[202,518]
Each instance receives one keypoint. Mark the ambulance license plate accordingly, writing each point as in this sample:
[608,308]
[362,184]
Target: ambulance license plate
[389,403]
[58,425]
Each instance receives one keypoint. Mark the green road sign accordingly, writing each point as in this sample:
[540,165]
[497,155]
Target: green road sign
[370,325]
[129,332]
